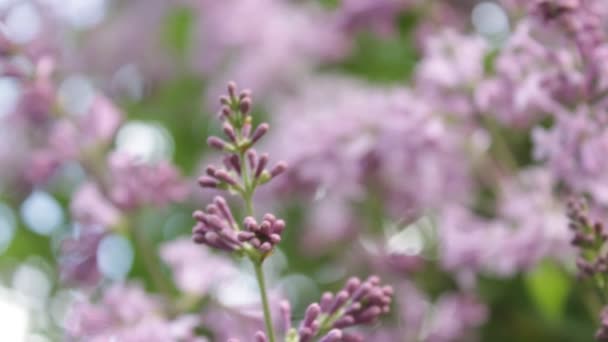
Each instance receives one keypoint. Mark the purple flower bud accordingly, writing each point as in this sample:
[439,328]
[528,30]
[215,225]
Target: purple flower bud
[275,238]
[266,247]
[339,300]
[312,312]
[255,242]
[235,163]
[215,222]
[352,338]
[198,238]
[199,215]
[252,158]
[245,236]
[278,169]
[217,143]
[229,131]
[199,229]
[352,284]
[231,89]
[260,337]
[269,217]
[356,303]
[374,280]
[250,224]
[210,170]
[285,309]
[225,177]
[259,132]
[305,334]
[245,105]
[246,130]
[221,204]
[326,301]
[361,291]
[344,322]
[333,336]
[207,182]
[278,226]
[224,100]
[369,315]
[225,112]
[245,93]
[265,227]
[261,165]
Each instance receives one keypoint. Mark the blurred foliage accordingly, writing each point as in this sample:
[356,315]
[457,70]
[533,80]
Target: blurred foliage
[383,59]
[548,286]
[178,31]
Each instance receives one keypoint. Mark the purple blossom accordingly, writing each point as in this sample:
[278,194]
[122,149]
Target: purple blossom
[358,303]
[570,150]
[78,257]
[365,139]
[244,170]
[135,184]
[602,332]
[529,227]
[379,16]
[271,54]
[126,313]
[589,238]
[89,206]
[192,265]
[217,228]
[454,316]
[527,74]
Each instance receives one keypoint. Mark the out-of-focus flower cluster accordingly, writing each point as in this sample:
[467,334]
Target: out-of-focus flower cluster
[457,173]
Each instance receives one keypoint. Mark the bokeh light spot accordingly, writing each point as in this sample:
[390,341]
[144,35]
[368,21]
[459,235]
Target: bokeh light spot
[42,213]
[115,256]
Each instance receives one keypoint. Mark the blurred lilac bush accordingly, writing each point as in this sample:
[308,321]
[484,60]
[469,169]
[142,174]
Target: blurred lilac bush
[429,170]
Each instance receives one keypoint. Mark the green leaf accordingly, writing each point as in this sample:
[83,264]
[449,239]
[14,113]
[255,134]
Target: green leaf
[549,287]
[177,30]
[489,62]
[330,4]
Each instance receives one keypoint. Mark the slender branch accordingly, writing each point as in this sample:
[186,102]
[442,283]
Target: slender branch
[151,263]
[257,264]
[259,274]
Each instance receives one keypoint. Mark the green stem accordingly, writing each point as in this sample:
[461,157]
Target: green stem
[249,204]
[151,262]
[257,262]
[500,144]
[259,274]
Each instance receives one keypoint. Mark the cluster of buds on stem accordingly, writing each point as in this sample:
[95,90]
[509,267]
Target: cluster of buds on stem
[602,332]
[263,236]
[358,303]
[590,239]
[577,19]
[244,170]
[216,227]
[592,262]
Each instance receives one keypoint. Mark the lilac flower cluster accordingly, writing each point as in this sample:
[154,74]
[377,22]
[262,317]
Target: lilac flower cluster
[356,304]
[589,238]
[218,229]
[243,172]
[128,314]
